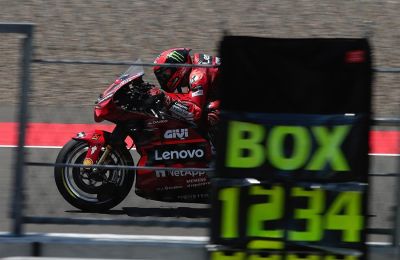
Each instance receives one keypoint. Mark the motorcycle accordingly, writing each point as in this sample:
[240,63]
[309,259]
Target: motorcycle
[161,141]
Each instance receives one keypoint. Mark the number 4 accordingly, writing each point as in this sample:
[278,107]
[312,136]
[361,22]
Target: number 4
[345,215]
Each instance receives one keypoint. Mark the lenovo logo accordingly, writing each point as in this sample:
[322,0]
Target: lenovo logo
[176,155]
[176,134]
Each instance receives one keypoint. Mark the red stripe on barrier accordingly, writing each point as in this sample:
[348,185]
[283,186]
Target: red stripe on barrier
[51,134]
[384,142]
[46,134]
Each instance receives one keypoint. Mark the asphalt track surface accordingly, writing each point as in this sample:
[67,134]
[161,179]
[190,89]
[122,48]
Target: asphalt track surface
[43,199]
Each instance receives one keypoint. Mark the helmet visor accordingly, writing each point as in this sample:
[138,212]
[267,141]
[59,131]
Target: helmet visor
[163,75]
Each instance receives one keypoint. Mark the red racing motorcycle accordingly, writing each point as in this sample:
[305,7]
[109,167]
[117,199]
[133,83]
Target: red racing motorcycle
[161,141]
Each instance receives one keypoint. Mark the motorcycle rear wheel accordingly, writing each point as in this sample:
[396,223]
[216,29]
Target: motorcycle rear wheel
[93,191]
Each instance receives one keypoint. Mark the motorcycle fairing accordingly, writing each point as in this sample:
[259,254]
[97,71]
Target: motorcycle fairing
[175,185]
[105,108]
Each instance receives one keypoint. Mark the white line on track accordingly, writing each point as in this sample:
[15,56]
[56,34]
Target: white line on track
[33,146]
[384,154]
[39,146]
[59,147]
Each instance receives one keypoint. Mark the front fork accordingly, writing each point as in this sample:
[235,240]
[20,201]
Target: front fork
[104,156]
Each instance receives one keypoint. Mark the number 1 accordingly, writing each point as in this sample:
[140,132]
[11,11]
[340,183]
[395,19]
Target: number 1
[230,213]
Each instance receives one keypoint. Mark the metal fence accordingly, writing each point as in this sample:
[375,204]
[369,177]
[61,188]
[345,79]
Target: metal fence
[23,166]
[27,31]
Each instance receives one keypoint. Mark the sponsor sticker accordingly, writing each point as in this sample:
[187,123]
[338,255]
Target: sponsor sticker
[176,133]
[205,59]
[179,173]
[178,154]
[88,161]
[93,150]
[192,152]
[157,122]
[193,79]
[96,136]
[197,93]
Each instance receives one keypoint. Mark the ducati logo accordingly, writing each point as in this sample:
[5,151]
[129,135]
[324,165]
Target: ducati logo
[176,133]
[96,136]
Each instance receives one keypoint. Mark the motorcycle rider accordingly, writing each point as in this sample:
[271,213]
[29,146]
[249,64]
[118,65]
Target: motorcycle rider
[189,93]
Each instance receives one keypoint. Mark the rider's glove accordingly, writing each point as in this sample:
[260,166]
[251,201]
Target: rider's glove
[155,92]
[156,98]
[213,112]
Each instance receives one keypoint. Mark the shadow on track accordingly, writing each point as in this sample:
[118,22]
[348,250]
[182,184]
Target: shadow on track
[185,212]
[177,212]
[108,212]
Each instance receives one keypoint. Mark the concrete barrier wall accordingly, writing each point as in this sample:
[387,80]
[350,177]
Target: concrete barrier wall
[101,246]
[104,246]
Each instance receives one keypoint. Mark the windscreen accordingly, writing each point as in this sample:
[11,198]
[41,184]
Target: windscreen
[133,70]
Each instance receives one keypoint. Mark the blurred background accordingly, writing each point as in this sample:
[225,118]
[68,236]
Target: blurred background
[126,30]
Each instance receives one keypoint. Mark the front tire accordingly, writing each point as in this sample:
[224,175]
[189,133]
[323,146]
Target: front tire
[93,190]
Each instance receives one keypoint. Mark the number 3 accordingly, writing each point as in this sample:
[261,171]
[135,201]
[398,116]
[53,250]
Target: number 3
[312,214]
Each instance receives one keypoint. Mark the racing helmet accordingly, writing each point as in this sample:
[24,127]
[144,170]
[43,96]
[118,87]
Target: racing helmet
[172,79]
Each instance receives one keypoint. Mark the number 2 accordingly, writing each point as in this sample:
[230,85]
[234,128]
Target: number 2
[259,213]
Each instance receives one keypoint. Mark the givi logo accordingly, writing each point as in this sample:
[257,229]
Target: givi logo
[176,133]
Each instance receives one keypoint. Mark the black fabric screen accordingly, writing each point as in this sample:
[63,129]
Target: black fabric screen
[318,76]
[292,158]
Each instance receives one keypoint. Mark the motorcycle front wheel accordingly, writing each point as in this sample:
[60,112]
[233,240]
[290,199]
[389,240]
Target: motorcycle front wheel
[89,189]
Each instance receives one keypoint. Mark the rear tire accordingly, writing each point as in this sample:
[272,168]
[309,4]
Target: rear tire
[93,191]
